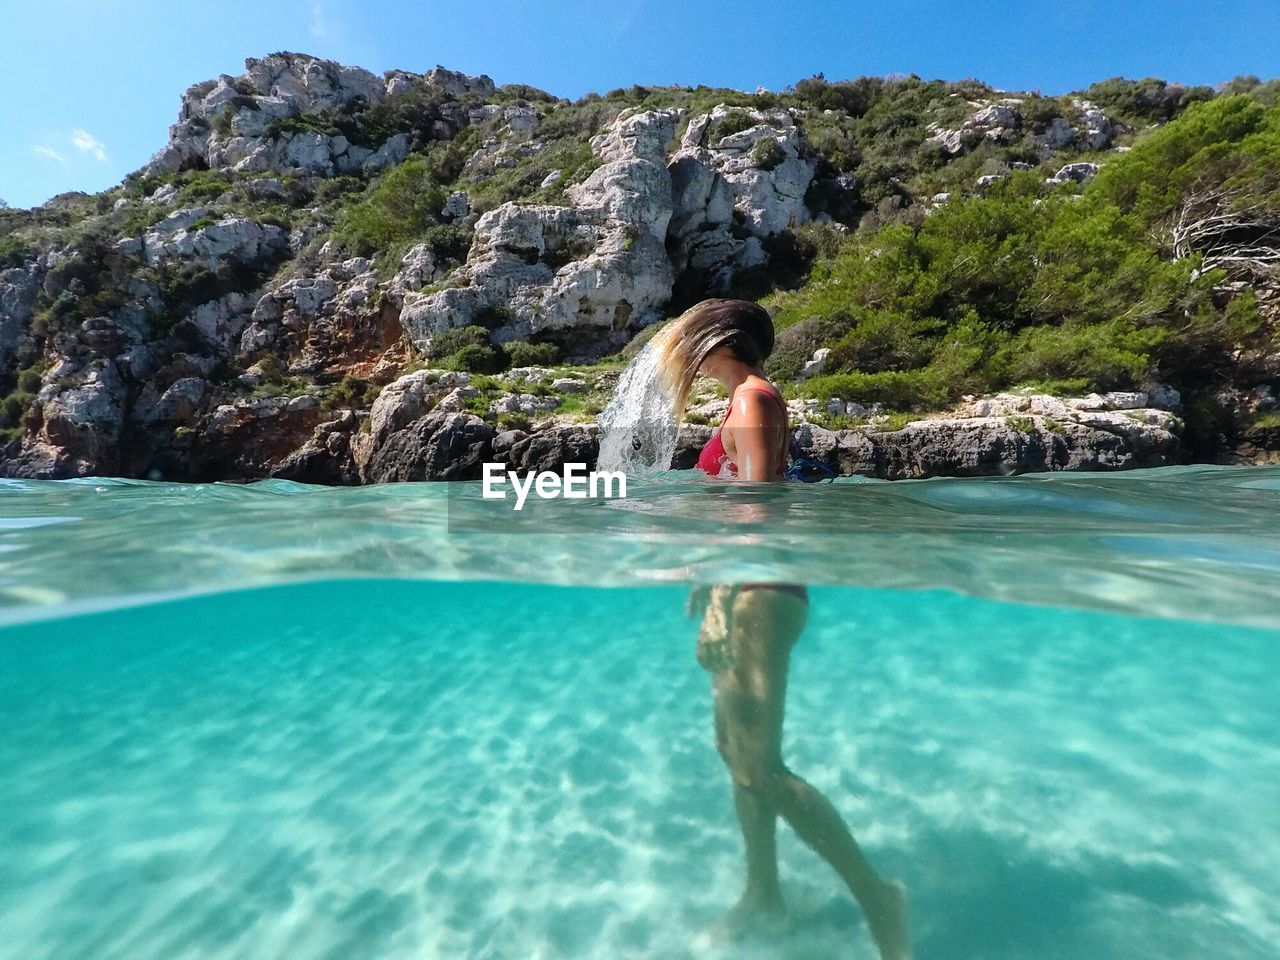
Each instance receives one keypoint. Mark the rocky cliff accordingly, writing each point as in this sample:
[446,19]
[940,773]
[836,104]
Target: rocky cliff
[338,277]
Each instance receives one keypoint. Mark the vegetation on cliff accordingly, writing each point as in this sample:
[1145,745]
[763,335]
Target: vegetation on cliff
[956,240]
[1066,288]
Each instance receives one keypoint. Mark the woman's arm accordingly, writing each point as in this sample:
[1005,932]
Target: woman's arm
[715,647]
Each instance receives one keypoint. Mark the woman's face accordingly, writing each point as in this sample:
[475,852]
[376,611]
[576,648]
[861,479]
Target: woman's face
[713,363]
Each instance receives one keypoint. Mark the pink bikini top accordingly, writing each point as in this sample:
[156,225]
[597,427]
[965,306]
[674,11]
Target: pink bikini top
[715,462]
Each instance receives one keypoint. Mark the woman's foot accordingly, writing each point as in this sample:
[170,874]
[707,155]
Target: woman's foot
[887,918]
[755,913]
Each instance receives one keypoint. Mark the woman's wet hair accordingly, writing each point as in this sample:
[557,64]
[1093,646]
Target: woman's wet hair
[744,327]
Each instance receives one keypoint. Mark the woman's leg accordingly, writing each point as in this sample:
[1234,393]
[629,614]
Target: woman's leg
[750,701]
[759,822]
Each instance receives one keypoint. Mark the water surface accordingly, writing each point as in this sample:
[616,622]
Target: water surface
[271,720]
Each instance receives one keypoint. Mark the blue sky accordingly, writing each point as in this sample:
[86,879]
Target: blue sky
[92,85]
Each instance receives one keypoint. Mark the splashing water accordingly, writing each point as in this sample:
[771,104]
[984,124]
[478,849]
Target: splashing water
[638,428]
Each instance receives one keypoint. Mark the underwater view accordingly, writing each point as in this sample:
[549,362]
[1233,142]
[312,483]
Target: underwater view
[277,720]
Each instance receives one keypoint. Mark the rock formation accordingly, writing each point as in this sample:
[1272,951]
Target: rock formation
[243,122]
[619,277]
[210,319]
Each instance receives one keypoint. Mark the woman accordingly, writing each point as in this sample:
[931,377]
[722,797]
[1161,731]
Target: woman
[748,630]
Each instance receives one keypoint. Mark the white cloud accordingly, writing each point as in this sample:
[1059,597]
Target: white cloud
[319,19]
[51,153]
[86,142]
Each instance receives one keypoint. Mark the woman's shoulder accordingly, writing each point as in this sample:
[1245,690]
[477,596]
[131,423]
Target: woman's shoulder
[753,393]
[761,385]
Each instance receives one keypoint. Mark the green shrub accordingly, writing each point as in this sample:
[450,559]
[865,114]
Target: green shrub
[320,122]
[498,315]
[854,97]
[899,389]
[1026,285]
[451,341]
[476,358]
[413,111]
[348,393]
[14,252]
[734,121]
[337,188]
[448,241]
[1231,143]
[14,407]
[767,153]
[576,247]
[198,186]
[794,345]
[222,121]
[185,286]
[403,205]
[269,218]
[533,354]
[523,182]
[835,140]
[89,281]
[1149,100]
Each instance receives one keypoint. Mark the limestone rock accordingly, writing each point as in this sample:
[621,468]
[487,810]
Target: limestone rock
[177,404]
[762,173]
[526,403]
[1003,434]
[235,121]
[1164,397]
[521,118]
[409,398]
[322,321]
[815,365]
[19,287]
[767,185]
[164,194]
[991,446]
[713,410]
[998,122]
[455,83]
[847,452]
[616,275]
[326,457]
[247,438]
[228,238]
[438,446]
[457,206]
[220,322]
[79,426]
[1002,114]
[954,143]
[1116,400]
[1099,129]
[552,448]
[1079,172]
[1059,134]
[418,269]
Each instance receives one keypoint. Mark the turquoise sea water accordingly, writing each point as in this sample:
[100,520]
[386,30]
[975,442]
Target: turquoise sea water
[276,721]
